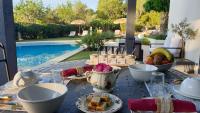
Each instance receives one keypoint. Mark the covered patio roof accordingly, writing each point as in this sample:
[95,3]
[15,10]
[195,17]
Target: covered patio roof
[7,35]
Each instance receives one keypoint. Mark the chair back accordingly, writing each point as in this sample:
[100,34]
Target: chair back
[117,32]
[174,42]
[72,33]
[85,32]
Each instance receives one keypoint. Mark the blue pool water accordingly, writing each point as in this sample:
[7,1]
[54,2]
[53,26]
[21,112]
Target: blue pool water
[30,55]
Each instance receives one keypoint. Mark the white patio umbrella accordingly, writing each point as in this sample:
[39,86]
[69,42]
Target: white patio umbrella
[78,22]
[120,21]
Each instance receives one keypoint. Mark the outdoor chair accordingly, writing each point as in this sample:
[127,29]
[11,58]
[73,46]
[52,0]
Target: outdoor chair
[99,31]
[72,33]
[85,32]
[117,33]
[174,45]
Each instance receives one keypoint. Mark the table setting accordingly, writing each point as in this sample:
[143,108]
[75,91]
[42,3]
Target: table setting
[104,88]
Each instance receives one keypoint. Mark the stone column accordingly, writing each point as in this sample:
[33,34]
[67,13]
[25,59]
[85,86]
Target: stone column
[7,37]
[131,16]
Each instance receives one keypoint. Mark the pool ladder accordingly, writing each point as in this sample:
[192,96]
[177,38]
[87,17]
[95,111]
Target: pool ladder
[2,47]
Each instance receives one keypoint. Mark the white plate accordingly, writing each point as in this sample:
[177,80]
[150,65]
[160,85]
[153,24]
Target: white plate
[117,103]
[74,77]
[177,90]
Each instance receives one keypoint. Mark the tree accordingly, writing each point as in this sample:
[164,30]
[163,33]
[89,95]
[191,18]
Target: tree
[68,12]
[29,11]
[51,17]
[64,13]
[111,9]
[81,11]
[140,8]
[160,6]
[149,19]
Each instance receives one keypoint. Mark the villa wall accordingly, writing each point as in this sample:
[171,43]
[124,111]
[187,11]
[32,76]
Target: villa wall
[190,9]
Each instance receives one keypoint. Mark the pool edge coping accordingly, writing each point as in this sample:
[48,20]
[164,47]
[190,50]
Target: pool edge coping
[58,58]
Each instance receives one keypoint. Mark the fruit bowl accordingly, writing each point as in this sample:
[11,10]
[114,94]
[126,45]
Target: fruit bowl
[164,67]
[161,58]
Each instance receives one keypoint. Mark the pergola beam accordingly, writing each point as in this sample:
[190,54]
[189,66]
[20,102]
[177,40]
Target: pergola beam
[7,37]
[131,16]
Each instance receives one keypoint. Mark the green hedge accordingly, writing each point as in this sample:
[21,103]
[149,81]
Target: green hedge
[145,41]
[158,36]
[105,25]
[39,31]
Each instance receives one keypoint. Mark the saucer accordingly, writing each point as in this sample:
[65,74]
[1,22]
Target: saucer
[177,90]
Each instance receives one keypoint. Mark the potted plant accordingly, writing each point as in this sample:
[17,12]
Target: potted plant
[184,30]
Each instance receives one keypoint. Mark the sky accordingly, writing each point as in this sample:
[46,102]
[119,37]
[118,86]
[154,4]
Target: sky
[53,3]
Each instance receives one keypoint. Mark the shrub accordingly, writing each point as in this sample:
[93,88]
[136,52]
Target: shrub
[138,28]
[95,41]
[158,37]
[107,35]
[145,41]
[149,20]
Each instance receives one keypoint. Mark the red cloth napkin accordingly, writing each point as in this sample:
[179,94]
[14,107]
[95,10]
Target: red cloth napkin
[142,104]
[76,71]
[150,105]
[183,106]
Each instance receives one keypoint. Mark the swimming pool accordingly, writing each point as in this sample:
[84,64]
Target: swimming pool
[33,54]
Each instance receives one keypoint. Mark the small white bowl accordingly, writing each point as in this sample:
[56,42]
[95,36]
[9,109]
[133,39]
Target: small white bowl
[142,72]
[42,98]
[190,86]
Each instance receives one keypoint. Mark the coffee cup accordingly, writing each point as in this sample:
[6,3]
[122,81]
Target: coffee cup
[25,78]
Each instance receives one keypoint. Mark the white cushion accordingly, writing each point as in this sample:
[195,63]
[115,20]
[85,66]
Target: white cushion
[141,35]
[175,41]
[85,32]
[117,32]
[167,41]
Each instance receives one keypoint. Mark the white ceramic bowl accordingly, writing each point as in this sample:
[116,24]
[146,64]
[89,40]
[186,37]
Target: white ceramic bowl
[142,72]
[190,86]
[42,98]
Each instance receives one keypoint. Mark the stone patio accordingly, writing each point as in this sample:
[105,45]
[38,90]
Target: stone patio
[60,66]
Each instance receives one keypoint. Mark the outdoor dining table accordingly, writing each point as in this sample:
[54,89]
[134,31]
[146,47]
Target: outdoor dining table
[126,88]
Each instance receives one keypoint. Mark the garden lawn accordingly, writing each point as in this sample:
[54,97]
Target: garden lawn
[81,55]
[53,39]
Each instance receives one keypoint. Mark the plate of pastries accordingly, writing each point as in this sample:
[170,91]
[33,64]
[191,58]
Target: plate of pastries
[99,103]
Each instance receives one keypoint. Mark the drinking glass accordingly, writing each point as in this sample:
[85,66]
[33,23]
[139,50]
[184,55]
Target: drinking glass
[196,70]
[157,84]
[56,76]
